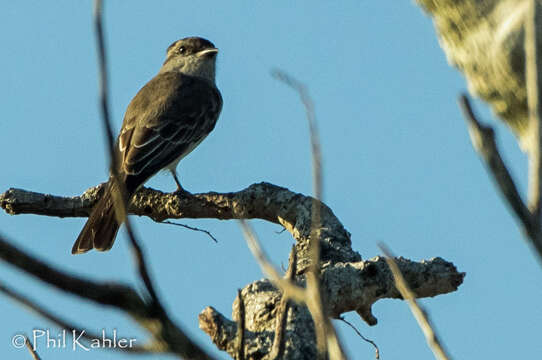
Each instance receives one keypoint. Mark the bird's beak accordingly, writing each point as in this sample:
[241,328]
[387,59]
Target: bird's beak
[208,52]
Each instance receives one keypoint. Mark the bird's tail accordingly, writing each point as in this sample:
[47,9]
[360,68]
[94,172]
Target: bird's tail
[101,227]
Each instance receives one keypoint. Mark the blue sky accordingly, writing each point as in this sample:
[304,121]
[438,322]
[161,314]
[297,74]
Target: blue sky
[398,164]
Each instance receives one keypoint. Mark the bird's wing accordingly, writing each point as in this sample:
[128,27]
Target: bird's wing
[164,121]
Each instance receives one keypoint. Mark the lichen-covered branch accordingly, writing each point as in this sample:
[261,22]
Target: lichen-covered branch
[484,39]
[496,44]
[348,287]
[347,282]
[259,201]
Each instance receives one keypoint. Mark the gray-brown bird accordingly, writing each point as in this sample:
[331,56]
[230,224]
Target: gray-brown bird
[164,122]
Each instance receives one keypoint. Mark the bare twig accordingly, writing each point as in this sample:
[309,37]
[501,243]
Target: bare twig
[110,294]
[289,289]
[301,89]
[167,337]
[326,337]
[41,311]
[419,314]
[103,84]
[191,228]
[281,231]
[31,349]
[240,327]
[533,69]
[377,351]
[296,293]
[483,140]
[185,346]
[120,195]
[282,314]
[143,271]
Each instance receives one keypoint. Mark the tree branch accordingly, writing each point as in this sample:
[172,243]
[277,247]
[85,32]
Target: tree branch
[347,287]
[73,329]
[533,73]
[167,337]
[240,326]
[483,141]
[282,318]
[30,348]
[348,284]
[259,201]
[326,337]
[420,314]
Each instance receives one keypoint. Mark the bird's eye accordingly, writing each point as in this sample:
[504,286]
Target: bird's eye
[182,49]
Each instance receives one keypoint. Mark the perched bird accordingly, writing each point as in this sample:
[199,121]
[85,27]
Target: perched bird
[164,122]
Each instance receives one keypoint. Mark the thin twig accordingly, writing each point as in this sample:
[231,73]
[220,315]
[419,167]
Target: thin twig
[483,140]
[182,344]
[103,83]
[120,201]
[326,337]
[419,314]
[281,231]
[110,294]
[240,327]
[282,314]
[46,314]
[301,89]
[533,69]
[292,265]
[289,289]
[190,228]
[31,349]
[34,307]
[377,351]
[298,294]
[167,337]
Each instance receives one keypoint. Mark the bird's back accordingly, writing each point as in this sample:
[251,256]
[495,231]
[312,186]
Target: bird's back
[164,121]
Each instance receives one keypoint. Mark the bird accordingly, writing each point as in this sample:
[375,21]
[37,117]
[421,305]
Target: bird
[164,122]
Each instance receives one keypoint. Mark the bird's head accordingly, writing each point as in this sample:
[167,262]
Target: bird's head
[193,56]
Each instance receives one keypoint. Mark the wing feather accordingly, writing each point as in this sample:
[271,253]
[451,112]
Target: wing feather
[164,121]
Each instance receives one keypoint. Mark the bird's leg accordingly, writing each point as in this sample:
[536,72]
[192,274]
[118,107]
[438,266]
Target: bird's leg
[180,189]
